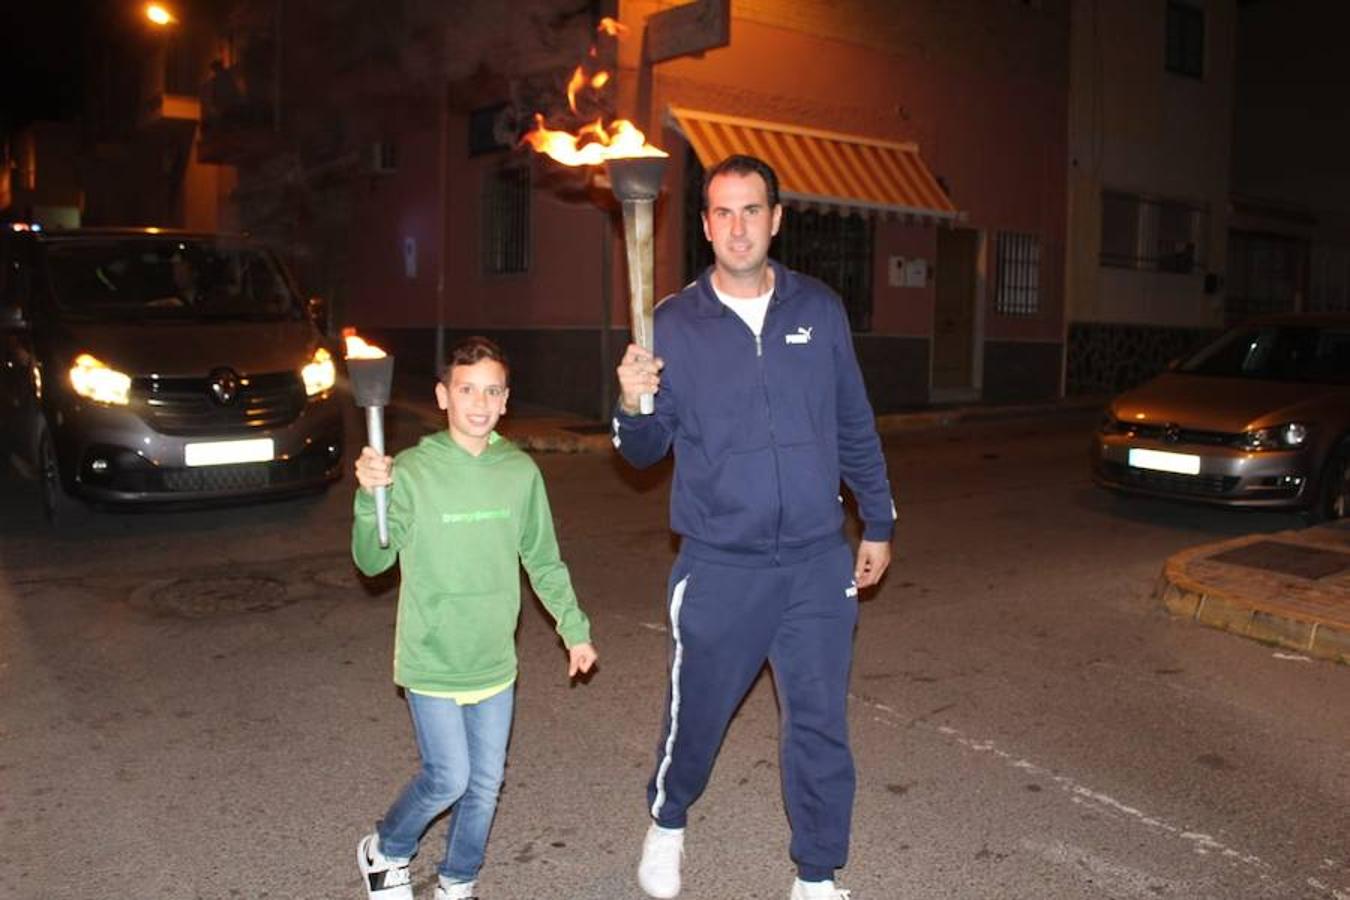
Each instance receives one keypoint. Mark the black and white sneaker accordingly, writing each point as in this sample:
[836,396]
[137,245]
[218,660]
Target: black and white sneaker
[386,877]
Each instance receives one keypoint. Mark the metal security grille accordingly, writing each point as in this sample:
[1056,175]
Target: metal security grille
[506,221]
[833,247]
[1018,288]
[1152,233]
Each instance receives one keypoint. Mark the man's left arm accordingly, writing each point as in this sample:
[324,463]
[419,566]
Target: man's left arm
[861,461]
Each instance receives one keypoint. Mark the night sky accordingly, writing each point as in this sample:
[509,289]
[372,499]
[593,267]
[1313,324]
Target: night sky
[41,50]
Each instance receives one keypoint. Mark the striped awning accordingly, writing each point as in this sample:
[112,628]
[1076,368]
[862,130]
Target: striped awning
[823,168]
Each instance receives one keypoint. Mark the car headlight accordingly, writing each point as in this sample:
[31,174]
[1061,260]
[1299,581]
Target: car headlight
[93,380]
[1276,437]
[319,373]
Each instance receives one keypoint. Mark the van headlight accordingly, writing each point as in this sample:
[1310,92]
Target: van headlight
[1276,437]
[319,374]
[92,379]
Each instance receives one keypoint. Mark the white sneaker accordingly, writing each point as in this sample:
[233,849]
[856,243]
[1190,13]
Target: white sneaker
[456,890]
[817,890]
[662,853]
[386,877]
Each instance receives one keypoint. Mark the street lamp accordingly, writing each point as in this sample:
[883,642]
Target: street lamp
[159,14]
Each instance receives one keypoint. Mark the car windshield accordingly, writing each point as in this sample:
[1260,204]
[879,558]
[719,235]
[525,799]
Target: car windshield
[1299,353]
[167,278]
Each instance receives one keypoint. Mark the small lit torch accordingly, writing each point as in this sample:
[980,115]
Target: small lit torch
[634,168]
[371,372]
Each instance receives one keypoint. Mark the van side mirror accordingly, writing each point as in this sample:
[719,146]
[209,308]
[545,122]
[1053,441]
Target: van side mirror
[317,308]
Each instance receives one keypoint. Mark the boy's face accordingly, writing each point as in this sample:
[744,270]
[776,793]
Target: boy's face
[473,401]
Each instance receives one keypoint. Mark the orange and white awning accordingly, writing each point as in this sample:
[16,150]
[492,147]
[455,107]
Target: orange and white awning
[824,168]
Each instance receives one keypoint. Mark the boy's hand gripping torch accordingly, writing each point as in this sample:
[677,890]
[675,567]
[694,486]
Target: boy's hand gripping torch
[371,372]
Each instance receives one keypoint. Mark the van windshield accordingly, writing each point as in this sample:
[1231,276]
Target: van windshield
[1277,353]
[167,278]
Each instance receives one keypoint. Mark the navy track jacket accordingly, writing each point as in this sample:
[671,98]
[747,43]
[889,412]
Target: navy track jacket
[763,428]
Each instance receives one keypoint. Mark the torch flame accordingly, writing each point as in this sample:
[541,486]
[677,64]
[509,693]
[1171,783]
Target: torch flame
[358,348]
[594,143]
[576,83]
[621,140]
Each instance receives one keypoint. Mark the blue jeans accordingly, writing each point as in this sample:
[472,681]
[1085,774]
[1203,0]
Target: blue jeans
[463,751]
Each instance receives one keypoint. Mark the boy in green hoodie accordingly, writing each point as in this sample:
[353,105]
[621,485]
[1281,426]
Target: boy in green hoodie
[467,508]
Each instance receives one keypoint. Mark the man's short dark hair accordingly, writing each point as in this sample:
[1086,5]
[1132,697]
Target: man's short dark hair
[743,164]
[472,350]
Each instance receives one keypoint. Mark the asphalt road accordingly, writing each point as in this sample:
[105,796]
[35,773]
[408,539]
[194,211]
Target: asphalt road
[198,705]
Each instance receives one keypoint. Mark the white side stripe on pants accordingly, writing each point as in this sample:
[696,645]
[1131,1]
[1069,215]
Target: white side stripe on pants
[676,600]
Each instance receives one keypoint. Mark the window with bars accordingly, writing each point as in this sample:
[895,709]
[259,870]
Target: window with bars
[1267,273]
[1185,51]
[1017,288]
[834,247]
[1149,233]
[506,221]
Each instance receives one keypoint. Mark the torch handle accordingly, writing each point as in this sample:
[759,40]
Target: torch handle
[375,437]
[637,223]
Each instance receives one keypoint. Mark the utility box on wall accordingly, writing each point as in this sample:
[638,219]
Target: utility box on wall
[911,272]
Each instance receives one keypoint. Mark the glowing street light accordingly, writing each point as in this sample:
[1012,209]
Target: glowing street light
[159,14]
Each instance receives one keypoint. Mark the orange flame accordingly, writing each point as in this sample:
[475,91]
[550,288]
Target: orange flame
[577,81]
[621,140]
[358,348]
[594,143]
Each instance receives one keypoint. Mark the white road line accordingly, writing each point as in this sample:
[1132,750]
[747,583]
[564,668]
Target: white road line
[1200,843]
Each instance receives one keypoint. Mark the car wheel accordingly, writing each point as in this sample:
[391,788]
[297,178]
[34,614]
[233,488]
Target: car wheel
[56,504]
[1333,498]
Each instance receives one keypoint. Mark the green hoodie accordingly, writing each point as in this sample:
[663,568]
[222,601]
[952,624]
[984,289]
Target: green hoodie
[460,526]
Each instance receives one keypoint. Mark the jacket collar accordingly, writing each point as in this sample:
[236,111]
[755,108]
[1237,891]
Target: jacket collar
[707,304]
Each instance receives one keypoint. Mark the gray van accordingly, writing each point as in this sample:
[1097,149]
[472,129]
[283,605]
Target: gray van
[146,366]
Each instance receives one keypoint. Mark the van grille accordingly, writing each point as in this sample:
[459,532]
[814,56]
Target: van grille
[185,406]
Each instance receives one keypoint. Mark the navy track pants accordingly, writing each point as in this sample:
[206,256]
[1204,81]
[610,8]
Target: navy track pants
[725,623]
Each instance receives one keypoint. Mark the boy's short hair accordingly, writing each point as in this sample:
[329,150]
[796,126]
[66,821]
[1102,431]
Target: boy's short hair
[743,164]
[473,350]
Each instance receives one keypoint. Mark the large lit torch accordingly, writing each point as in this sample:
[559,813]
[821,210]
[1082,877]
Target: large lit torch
[635,169]
[371,372]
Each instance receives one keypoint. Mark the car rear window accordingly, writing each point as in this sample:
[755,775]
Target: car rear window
[169,278]
[1277,353]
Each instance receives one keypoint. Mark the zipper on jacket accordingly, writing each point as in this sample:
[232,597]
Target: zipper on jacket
[773,438]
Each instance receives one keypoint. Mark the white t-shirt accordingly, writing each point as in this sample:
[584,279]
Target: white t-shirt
[750,309]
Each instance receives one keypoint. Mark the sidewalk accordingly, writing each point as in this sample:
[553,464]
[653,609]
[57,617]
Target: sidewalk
[1290,589]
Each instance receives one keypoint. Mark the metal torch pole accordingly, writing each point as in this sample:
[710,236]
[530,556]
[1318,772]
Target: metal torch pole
[375,436]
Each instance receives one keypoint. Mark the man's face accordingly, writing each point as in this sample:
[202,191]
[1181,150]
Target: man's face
[740,223]
[473,401]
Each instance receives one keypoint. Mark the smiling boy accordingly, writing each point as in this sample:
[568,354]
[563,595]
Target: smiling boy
[467,509]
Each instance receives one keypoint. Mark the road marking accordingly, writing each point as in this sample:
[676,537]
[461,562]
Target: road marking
[1201,844]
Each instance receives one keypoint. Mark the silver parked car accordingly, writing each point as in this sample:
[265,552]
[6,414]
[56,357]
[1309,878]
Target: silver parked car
[142,366]
[1258,418]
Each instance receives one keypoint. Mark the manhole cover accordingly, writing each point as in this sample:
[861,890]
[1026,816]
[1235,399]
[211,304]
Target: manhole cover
[1288,559]
[213,595]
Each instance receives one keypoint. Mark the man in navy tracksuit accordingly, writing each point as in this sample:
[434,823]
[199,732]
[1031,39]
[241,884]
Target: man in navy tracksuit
[758,390]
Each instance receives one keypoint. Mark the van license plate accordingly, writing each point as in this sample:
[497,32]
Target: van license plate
[219,453]
[1162,461]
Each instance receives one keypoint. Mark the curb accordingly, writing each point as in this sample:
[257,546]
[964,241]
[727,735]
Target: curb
[1270,620]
